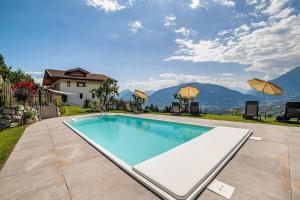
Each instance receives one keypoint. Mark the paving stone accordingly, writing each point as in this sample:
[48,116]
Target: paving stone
[75,151]
[260,170]
[116,185]
[296,190]
[38,132]
[64,136]
[57,191]
[88,170]
[253,154]
[17,186]
[255,183]
[23,162]
[294,151]
[33,141]
[37,127]
[209,195]
[295,168]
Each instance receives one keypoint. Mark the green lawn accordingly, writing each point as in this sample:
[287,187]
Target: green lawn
[76,110]
[8,140]
[233,118]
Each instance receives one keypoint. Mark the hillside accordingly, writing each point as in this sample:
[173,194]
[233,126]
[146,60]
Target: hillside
[289,82]
[212,97]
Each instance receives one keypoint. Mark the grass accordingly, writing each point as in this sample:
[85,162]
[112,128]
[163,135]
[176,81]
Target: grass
[236,118]
[8,140]
[232,118]
[76,110]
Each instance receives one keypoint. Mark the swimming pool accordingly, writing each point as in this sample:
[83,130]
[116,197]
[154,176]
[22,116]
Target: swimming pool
[175,160]
[133,139]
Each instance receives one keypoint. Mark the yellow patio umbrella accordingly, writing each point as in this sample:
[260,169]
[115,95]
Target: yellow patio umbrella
[266,87]
[188,92]
[141,94]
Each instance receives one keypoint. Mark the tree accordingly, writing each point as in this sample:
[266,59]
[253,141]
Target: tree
[19,76]
[12,76]
[182,101]
[4,69]
[138,102]
[106,90]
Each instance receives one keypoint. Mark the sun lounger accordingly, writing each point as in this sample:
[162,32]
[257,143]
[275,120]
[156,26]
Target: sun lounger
[292,110]
[175,108]
[251,110]
[129,107]
[194,108]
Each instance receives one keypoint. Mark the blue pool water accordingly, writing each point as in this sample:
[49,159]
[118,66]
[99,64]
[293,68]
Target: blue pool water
[133,139]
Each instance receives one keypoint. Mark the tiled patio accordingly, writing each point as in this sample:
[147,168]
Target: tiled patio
[52,162]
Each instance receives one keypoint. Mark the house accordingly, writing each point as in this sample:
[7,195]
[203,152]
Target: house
[75,84]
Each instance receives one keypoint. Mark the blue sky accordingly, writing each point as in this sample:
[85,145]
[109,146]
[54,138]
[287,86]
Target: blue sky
[151,44]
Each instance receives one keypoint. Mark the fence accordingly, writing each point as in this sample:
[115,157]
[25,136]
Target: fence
[6,94]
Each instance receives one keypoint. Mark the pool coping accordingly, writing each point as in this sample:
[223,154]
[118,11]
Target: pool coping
[130,169]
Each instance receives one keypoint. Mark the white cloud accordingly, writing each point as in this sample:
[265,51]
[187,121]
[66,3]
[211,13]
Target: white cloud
[259,24]
[35,73]
[135,26]
[186,32]
[171,79]
[229,3]
[170,20]
[276,6]
[283,14]
[196,3]
[271,46]
[226,74]
[106,5]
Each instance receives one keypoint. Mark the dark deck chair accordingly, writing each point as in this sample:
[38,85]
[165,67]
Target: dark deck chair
[292,110]
[194,108]
[251,110]
[129,107]
[175,108]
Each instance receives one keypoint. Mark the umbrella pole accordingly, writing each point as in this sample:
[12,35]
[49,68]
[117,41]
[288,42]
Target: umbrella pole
[265,106]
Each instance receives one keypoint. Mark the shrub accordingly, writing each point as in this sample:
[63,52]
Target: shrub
[57,100]
[28,115]
[62,110]
[24,91]
[86,103]
[95,105]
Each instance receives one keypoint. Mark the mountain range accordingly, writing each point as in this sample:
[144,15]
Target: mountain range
[219,99]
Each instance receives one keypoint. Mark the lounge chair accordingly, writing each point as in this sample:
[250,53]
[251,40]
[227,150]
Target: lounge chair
[175,108]
[129,107]
[251,110]
[194,108]
[292,110]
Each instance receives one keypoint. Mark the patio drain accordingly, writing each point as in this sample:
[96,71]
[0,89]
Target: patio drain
[221,188]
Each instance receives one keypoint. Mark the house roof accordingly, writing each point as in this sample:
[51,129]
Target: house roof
[52,75]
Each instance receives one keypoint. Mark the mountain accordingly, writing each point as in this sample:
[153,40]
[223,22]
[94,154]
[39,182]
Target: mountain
[125,95]
[213,98]
[289,82]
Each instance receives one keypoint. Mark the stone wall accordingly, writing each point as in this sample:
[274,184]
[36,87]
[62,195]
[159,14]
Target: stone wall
[14,116]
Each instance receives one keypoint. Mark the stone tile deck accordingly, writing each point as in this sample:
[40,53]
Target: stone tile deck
[52,162]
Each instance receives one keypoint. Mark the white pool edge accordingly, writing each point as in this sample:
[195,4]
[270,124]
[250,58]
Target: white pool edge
[129,169]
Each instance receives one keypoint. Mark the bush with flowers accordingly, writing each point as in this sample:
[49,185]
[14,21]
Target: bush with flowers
[24,91]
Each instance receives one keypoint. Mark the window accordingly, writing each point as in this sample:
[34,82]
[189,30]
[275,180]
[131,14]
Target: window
[80,96]
[68,84]
[80,84]
[93,95]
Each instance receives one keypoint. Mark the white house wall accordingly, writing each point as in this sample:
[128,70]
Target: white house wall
[75,98]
